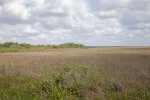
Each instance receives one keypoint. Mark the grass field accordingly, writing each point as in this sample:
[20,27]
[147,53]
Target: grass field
[111,73]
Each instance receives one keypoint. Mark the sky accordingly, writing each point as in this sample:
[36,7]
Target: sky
[89,22]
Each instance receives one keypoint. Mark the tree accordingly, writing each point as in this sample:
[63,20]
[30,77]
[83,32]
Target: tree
[8,44]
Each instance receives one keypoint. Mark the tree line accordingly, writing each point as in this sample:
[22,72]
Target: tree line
[28,46]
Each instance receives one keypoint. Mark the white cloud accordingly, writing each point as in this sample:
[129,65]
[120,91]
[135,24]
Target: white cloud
[91,22]
[14,12]
[106,14]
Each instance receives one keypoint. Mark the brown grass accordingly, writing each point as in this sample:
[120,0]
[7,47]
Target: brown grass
[128,66]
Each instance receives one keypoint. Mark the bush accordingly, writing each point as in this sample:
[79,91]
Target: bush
[72,45]
[69,83]
[73,82]
[54,46]
[14,47]
[0,45]
[7,44]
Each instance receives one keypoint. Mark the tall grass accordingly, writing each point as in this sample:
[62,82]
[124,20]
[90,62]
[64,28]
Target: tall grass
[73,82]
[96,73]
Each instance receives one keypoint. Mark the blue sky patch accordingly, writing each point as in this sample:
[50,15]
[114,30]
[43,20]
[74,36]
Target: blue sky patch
[27,5]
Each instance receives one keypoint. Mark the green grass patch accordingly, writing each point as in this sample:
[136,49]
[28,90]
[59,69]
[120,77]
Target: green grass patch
[71,83]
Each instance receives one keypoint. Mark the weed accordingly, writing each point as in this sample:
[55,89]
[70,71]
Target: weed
[66,84]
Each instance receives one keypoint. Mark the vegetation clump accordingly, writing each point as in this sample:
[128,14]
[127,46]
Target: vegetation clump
[71,45]
[73,82]
[15,47]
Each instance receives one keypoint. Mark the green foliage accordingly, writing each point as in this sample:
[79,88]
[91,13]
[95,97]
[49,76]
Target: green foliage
[15,47]
[72,45]
[115,91]
[7,44]
[0,45]
[17,87]
[25,45]
[54,46]
[73,82]
[67,84]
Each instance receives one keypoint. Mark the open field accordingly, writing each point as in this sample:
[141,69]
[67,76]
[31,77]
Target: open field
[124,73]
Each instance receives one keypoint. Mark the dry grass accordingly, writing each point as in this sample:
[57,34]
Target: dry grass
[128,66]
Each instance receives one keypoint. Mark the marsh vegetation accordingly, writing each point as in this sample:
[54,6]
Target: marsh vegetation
[16,47]
[108,73]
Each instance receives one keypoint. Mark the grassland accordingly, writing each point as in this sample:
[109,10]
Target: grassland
[108,73]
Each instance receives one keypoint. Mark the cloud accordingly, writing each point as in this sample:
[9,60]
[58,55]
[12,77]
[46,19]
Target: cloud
[90,22]
[106,14]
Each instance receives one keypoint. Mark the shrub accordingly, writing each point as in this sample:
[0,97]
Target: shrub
[7,44]
[66,84]
[14,47]
[54,46]
[71,82]
[71,45]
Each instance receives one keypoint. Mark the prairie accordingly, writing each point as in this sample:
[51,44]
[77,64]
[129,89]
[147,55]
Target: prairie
[124,73]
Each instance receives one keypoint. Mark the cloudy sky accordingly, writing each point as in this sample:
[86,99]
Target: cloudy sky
[90,22]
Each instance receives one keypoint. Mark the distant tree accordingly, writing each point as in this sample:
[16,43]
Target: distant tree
[0,45]
[54,46]
[8,44]
[26,46]
[71,45]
